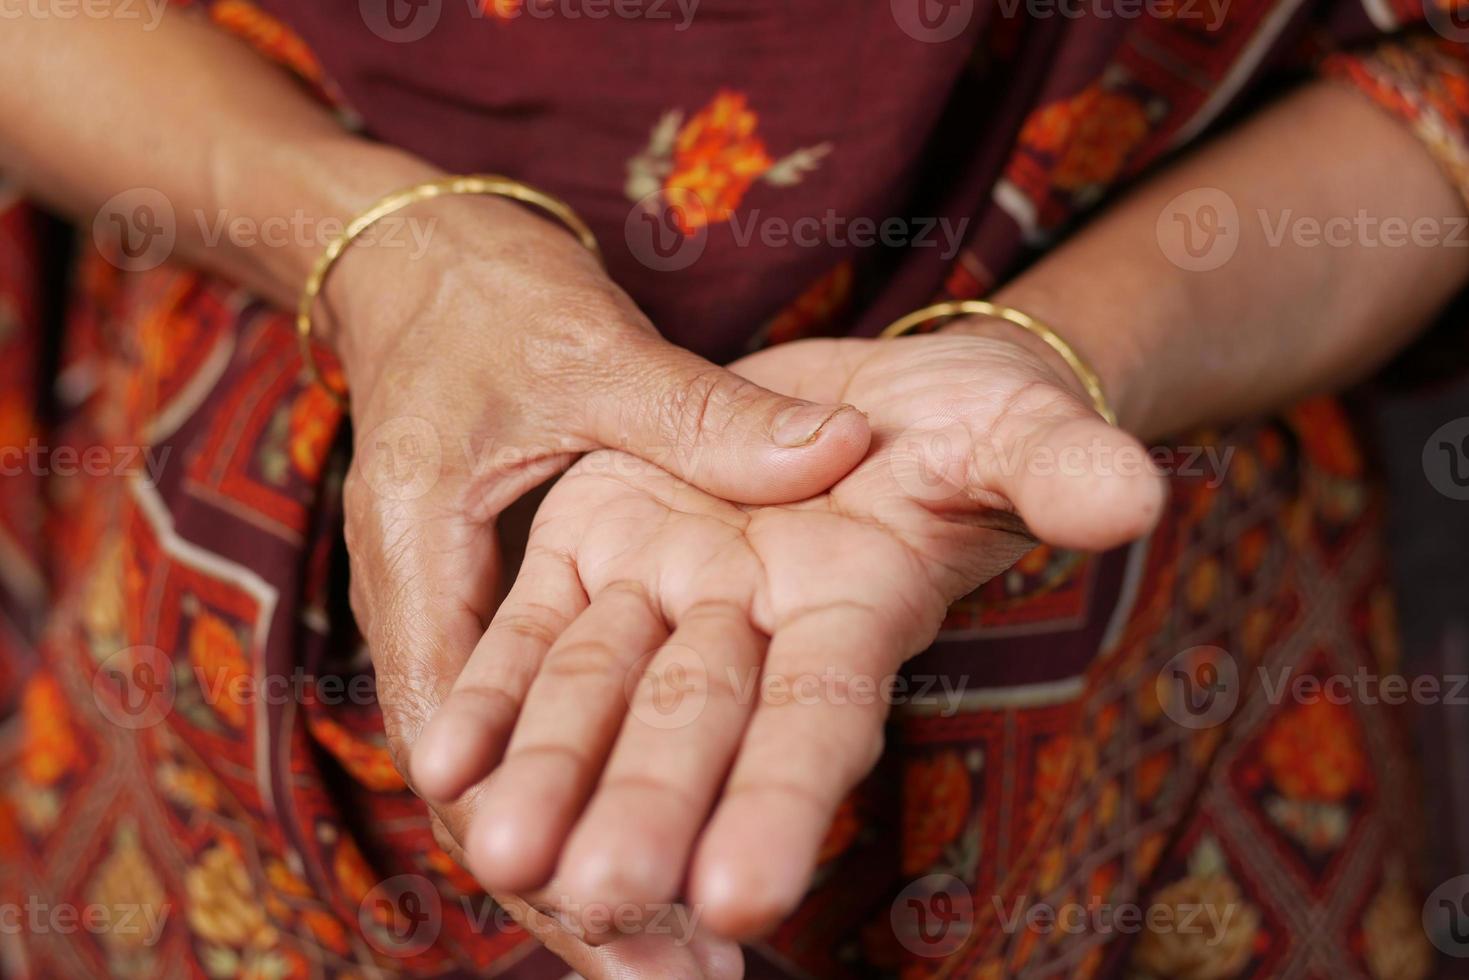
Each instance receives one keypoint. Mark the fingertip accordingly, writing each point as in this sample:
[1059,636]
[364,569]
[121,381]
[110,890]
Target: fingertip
[435,765]
[734,903]
[505,852]
[846,435]
[785,473]
[747,876]
[461,743]
[616,870]
[1089,486]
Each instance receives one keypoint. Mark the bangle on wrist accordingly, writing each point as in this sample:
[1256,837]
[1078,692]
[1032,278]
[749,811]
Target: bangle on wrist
[975,307]
[486,184]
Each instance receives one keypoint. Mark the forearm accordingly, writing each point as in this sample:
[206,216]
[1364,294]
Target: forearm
[93,107]
[1286,314]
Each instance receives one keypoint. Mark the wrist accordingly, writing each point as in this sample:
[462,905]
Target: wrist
[1110,337]
[439,259]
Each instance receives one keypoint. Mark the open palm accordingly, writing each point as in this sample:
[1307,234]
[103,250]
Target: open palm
[665,654]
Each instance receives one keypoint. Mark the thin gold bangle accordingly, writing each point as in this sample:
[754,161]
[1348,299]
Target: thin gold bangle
[488,184]
[978,307]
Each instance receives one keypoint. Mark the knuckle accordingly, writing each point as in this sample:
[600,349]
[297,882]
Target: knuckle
[590,659]
[693,408]
[533,629]
[669,794]
[491,701]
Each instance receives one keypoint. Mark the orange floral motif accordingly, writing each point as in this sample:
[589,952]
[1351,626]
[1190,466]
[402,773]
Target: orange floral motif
[937,801]
[1091,135]
[462,881]
[716,159]
[1251,549]
[367,762]
[1152,773]
[1099,885]
[269,36]
[189,785]
[1222,945]
[17,423]
[1313,754]
[353,872]
[501,9]
[50,750]
[1327,437]
[220,666]
[704,166]
[222,907]
[1053,767]
[327,929]
[314,417]
[1392,934]
[126,878]
[813,310]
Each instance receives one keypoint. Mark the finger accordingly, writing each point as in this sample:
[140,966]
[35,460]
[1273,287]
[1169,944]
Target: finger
[722,433]
[467,736]
[424,583]
[1076,481]
[804,751]
[570,718]
[687,716]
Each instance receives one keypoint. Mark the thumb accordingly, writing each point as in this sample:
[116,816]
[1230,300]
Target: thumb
[727,436]
[1078,482]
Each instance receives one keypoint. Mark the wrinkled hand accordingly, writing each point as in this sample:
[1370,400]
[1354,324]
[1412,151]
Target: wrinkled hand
[479,370]
[632,574]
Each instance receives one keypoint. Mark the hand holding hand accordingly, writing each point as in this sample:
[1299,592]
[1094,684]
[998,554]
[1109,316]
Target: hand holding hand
[632,572]
[479,370]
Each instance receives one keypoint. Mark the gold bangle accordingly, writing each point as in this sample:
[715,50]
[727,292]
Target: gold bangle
[978,307]
[489,184]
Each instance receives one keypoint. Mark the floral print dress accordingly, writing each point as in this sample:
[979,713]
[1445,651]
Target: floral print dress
[1074,756]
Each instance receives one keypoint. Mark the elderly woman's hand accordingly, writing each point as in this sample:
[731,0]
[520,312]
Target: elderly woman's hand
[631,573]
[480,369]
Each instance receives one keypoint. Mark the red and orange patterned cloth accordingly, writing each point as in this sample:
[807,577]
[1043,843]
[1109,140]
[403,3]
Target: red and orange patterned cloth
[250,837]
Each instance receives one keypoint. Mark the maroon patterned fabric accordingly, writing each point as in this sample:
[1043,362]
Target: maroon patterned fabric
[1069,770]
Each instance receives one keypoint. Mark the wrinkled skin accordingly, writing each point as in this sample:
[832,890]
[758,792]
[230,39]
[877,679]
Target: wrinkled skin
[499,357]
[592,784]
